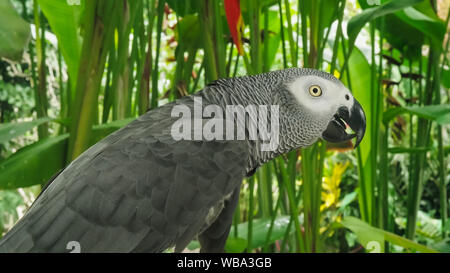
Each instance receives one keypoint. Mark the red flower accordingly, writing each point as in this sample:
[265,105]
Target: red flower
[235,22]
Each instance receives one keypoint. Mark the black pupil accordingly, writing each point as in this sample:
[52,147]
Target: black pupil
[315,90]
[347,97]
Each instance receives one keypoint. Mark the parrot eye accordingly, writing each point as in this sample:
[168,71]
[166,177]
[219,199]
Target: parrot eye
[315,91]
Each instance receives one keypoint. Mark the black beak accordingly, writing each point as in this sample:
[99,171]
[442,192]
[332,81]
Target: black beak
[354,118]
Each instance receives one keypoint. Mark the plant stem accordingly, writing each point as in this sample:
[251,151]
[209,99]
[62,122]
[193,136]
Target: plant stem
[41,100]
[99,29]
[206,23]
[155,71]
[251,185]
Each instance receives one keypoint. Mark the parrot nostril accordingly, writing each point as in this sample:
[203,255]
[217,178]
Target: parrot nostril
[347,97]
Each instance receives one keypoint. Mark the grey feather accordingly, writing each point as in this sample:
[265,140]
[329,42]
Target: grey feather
[128,193]
[139,190]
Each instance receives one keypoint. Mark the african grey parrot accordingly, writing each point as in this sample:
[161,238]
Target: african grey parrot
[143,190]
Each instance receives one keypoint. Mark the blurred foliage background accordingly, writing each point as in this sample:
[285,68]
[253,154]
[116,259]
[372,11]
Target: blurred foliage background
[73,71]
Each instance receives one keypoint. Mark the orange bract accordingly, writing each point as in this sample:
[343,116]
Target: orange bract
[235,22]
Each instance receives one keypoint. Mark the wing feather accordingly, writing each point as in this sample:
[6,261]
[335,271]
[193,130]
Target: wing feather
[136,190]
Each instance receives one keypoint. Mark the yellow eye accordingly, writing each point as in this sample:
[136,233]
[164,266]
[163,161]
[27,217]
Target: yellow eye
[315,91]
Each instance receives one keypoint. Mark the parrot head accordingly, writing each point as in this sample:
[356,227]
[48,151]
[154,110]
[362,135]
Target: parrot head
[330,106]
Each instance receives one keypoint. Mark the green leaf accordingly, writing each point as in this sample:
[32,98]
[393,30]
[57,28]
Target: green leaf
[403,36]
[327,12]
[445,78]
[360,84]
[273,36]
[438,113]
[184,7]
[103,130]
[9,131]
[34,164]
[374,238]
[357,23]
[9,201]
[194,244]
[259,233]
[348,198]
[426,8]
[188,32]
[38,162]
[432,27]
[14,32]
[391,113]
[235,245]
[64,20]
[432,112]
[443,246]
[368,236]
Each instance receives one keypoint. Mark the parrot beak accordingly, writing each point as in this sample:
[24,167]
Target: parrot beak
[354,118]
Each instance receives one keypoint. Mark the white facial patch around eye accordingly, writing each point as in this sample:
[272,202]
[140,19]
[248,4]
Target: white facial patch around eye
[333,94]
